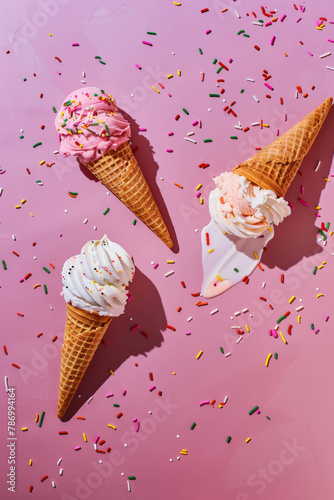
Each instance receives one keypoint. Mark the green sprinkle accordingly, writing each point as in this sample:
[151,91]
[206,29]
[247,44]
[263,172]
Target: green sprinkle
[253,410]
[38,182]
[134,222]
[4,265]
[200,51]
[207,140]
[131,478]
[236,270]
[21,136]
[150,33]
[261,21]
[54,109]
[228,440]
[45,289]
[276,355]
[214,95]
[46,269]
[221,350]
[327,225]
[24,79]
[281,319]
[315,269]
[106,211]
[71,130]
[233,137]
[116,405]
[193,425]
[214,61]
[37,144]
[241,31]
[242,91]
[312,326]
[322,234]
[247,36]
[68,103]
[186,111]
[102,62]
[107,128]
[219,69]
[268,417]
[97,57]
[41,420]
[72,193]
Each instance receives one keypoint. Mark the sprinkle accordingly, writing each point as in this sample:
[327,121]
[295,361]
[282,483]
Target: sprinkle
[228,440]
[200,51]
[178,185]
[228,354]
[47,270]
[268,359]
[318,165]
[169,274]
[199,354]
[41,419]
[325,55]
[256,98]
[4,265]
[253,410]
[247,440]
[43,478]
[273,40]
[152,388]
[292,299]
[112,426]
[147,43]
[106,211]
[284,340]
[77,448]
[202,403]
[37,144]
[320,295]
[158,91]
[207,140]
[315,269]
[137,66]
[214,311]
[329,67]
[171,328]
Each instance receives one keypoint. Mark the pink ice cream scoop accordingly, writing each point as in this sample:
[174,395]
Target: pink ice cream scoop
[89,124]
[231,199]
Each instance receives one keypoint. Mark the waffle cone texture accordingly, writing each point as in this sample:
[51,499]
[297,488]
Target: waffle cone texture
[276,165]
[119,171]
[83,334]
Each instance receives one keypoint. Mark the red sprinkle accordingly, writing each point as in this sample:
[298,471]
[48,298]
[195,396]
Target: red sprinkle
[119,415]
[15,365]
[282,278]
[260,267]
[207,238]
[20,314]
[183,284]
[177,117]
[27,276]
[204,10]
[54,338]
[151,376]
[197,294]
[5,350]
[43,478]
[171,327]
[39,335]
[17,255]
[58,59]
[289,329]
[63,433]
[263,298]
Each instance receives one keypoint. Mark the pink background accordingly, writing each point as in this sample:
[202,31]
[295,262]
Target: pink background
[291,455]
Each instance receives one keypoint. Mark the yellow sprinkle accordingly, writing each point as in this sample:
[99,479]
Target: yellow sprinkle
[247,328]
[156,89]
[268,359]
[17,206]
[79,131]
[330,234]
[85,437]
[281,334]
[169,76]
[299,319]
[30,462]
[318,208]
[292,299]
[183,449]
[220,279]
[270,229]
[220,405]
[112,373]
[42,162]
[247,440]
[255,255]
[24,428]
[37,416]
[183,452]
[266,125]
[320,295]
[199,354]
[201,200]
[112,426]
[100,121]
[325,178]
[177,3]
[23,201]
[170,261]
[324,262]
[49,34]
[174,373]
[179,72]
[198,187]
[31,214]
[320,267]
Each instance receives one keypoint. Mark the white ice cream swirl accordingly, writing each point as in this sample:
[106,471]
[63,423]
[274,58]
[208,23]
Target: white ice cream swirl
[96,280]
[244,209]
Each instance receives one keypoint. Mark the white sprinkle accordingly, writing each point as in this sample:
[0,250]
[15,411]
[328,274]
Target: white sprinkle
[6,384]
[296,94]
[56,152]
[168,274]
[328,67]
[190,133]
[85,221]
[225,399]
[84,74]
[95,446]
[238,127]
[190,318]
[237,313]
[245,310]
[177,458]
[129,486]
[83,81]
[66,211]
[256,98]
[214,311]
[51,307]
[325,55]
[318,165]
[276,328]
[250,80]
[190,140]
[58,463]
[1,190]
[60,472]
[235,327]
[177,435]
[53,484]
[299,308]
[237,14]
[258,24]
[125,446]
[255,124]
[95,228]
[239,340]
[14,237]
[171,460]
[89,400]
[227,354]
[264,284]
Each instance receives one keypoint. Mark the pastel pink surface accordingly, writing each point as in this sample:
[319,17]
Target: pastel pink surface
[289,456]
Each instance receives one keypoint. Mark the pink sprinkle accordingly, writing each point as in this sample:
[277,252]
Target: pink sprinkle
[302,189]
[171,133]
[137,66]
[208,32]
[302,8]
[58,73]
[147,43]
[317,330]
[303,202]
[152,388]
[169,95]
[268,24]
[258,411]
[277,132]
[134,328]
[230,60]
[198,195]
[282,18]
[318,215]
[155,265]
[195,123]
[137,426]
[204,403]
[22,280]
[310,53]
[96,439]
[273,40]
[134,419]
[143,129]
[75,45]
[124,392]
[269,87]
[109,395]
[299,19]
[329,40]
[77,448]
[169,150]
[188,333]
[327,318]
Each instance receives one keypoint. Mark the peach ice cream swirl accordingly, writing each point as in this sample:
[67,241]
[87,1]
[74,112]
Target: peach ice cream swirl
[242,208]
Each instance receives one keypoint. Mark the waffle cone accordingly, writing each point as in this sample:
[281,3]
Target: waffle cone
[83,334]
[276,165]
[119,171]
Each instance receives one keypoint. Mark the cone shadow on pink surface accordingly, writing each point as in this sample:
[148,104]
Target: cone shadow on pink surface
[295,237]
[123,339]
[145,157]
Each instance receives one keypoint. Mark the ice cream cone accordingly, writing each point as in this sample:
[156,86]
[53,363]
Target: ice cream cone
[276,165]
[119,171]
[83,334]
